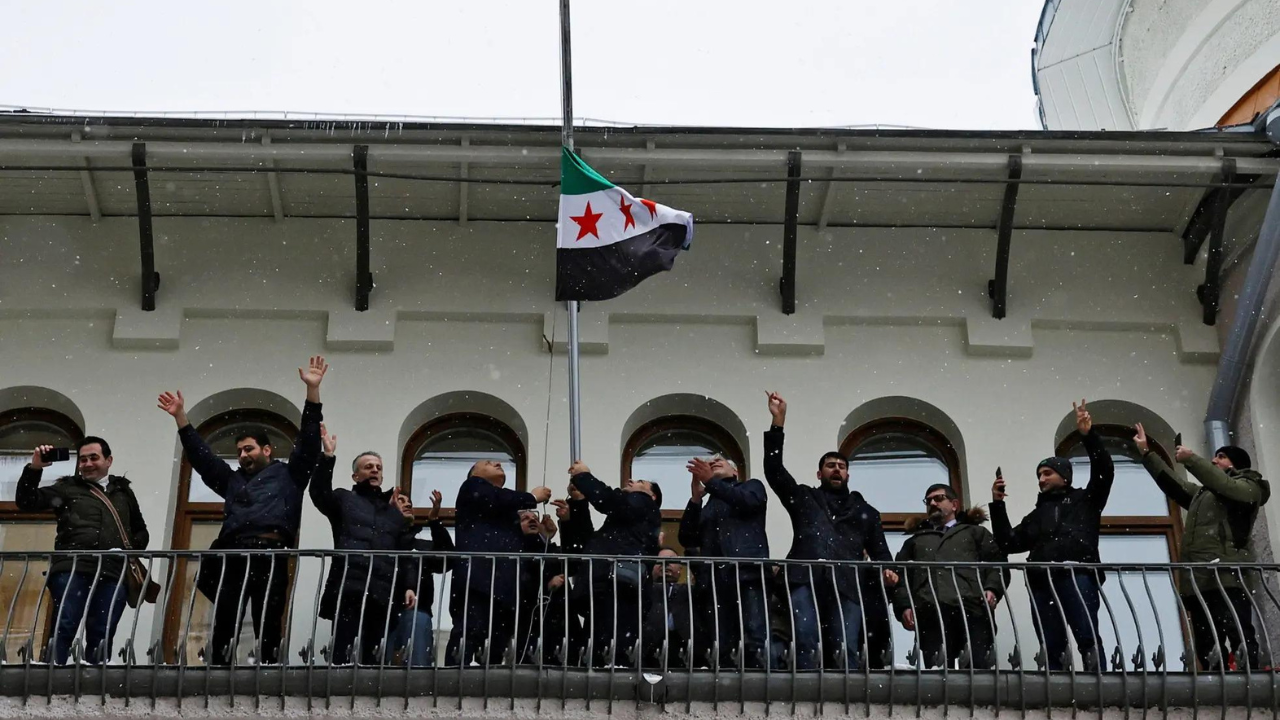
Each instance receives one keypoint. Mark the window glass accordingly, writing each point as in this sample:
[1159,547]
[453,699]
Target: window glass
[444,459]
[664,458]
[892,470]
[18,440]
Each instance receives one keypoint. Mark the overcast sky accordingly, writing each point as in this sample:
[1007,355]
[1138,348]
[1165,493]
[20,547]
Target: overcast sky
[790,63]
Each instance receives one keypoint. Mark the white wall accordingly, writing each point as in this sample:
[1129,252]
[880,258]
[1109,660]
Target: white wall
[881,312]
[1186,62]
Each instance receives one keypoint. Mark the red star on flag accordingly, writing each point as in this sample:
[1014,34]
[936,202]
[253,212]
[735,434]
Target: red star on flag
[587,223]
[629,222]
[653,207]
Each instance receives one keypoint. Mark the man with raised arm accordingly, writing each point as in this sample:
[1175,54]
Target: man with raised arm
[364,594]
[262,510]
[1221,511]
[487,520]
[829,522]
[614,589]
[1063,528]
[731,525]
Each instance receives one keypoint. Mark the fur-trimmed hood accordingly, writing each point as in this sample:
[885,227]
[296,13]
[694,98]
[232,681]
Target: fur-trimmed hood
[971,516]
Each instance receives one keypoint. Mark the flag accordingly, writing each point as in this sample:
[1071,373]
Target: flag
[609,240]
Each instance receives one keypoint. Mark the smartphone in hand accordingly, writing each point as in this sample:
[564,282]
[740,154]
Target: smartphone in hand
[1177,440]
[56,455]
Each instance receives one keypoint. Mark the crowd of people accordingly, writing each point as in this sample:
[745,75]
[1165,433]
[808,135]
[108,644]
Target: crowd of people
[614,595]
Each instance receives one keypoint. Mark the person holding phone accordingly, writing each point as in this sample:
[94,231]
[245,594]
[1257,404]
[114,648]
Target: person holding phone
[1221,512]
[1063,528]
[85,523]
[364,594]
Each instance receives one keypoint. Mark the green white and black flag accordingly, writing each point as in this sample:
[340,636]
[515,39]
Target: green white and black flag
[609,240]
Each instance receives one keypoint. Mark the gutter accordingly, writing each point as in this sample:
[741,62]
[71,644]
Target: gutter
[1229,381]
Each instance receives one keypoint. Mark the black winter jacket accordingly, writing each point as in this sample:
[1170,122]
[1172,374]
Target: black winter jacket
[965,542]
[411,565]
[488,520]
[84,523]
[828,525]
[731,524]
[1063,527]
[631,525]
[269,501]
[362,518]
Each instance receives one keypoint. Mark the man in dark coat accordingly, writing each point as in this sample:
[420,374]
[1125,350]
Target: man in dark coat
[950,608]
[668,614]
[364,594]
[614,590]
[486,521]
[85,523]
[1221,511]
[262,510]
[830,522]
[731,525]
[1063,528]
[413,641]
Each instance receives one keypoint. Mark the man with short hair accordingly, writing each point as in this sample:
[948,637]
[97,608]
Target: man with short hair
[668,613]
[732,525]
[487,520]
[1063,528]
[950,608]
[85,522]
[262,510]
[364,594]
[633,519]
[413,638]
[830,522]
[1221,511]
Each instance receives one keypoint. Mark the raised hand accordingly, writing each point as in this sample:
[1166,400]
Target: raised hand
[175,405]
[575,494]
[436,499]
[562,509]
[312,375]
[548,527]
[700,470]
[1140,439]
[1084,422]
[777,408]
[327,441]
[578,467]
[541,493]
[1183,453]
[997,490]
[37,461]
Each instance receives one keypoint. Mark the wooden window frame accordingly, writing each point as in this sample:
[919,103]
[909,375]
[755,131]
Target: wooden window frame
[931,436]
[454,421]
[187,514]
[680,423]
[9,511]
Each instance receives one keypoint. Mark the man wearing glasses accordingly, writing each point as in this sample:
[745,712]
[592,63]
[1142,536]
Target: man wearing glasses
[950,608]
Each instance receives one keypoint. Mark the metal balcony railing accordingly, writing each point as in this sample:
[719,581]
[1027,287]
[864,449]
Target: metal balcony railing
[557,627]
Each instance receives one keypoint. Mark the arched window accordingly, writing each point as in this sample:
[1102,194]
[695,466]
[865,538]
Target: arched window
[661,449]
[439,454]
[198,519]
[892,461]
[1139,525]
[20,432]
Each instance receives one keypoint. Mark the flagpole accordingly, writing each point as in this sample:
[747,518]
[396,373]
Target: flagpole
[566,139]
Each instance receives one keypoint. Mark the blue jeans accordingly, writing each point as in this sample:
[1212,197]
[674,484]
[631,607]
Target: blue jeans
[822,619]
[753,627]
[421,649]
[71,599]
[1077,601]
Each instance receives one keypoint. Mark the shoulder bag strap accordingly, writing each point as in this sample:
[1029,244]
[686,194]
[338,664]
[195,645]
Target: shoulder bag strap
[124,535]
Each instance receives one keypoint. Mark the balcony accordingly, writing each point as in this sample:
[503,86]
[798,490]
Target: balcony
[161,651]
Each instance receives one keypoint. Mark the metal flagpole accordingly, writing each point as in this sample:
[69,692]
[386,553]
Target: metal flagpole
[566,139]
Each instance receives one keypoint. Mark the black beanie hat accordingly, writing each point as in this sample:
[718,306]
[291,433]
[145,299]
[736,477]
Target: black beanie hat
[1236,455]
[1060,465]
